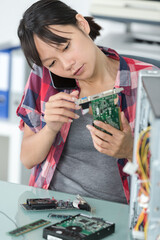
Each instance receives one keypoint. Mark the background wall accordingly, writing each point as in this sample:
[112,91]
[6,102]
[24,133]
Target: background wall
[11,13]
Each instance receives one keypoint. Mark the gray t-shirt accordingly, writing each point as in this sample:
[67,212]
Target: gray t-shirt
[85,171]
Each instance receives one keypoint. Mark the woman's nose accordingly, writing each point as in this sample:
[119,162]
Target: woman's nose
[67,63]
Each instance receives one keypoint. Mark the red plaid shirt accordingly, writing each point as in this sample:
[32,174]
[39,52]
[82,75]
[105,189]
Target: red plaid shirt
[37,92]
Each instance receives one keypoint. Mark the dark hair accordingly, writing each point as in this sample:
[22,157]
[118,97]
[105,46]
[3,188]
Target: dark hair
[36,20]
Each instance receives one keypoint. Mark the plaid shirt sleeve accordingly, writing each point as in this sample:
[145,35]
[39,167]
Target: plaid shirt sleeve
[31,110]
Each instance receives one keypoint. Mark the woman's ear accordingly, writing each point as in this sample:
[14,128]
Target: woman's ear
[83,23]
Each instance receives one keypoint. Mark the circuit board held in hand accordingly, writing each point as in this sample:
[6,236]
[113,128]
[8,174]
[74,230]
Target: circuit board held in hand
[104,109]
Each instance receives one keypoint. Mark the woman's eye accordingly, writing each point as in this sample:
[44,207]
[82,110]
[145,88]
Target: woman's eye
[66,46]
[51,65]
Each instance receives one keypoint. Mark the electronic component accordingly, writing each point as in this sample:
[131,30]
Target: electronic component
[79,227]
[40,203]
[82,204]
[47,203]
[104,107]
[105,110]
[52,215]
[28,227]
[86,100]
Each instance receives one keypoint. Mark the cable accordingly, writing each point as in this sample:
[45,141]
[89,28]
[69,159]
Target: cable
[9,218]
[143,159]
[143,156]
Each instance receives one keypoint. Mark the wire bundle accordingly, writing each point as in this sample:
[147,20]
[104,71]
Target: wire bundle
[143,160]
[143,155]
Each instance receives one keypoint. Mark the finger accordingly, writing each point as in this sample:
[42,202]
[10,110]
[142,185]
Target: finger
[105,136]
[124,121]
[62,95]
[75,93]
[62,104]
[99,141]
[101,149]
[62,112]
[108,148]
[57,118]
[106,127]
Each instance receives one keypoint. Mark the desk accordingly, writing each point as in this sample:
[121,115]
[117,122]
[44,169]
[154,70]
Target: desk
[12,195]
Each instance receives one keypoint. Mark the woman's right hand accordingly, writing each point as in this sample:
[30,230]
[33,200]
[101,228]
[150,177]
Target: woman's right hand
[60,109]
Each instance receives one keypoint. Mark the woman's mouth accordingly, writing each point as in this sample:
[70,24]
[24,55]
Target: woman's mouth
[79,71]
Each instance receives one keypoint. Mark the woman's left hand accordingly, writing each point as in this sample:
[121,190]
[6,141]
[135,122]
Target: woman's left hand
[118,145]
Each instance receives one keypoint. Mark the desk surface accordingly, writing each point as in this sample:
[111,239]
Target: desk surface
[12,195]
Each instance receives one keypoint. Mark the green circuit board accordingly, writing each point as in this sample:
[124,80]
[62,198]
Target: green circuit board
[87,225]
[104,109]
[29,227]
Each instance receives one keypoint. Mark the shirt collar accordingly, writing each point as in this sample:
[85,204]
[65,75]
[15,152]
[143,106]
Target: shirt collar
[123,78]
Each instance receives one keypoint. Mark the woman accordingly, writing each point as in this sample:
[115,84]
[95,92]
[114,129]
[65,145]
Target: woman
[56,143]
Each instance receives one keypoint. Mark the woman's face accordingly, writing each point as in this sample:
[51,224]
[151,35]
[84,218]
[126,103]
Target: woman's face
[73,59]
